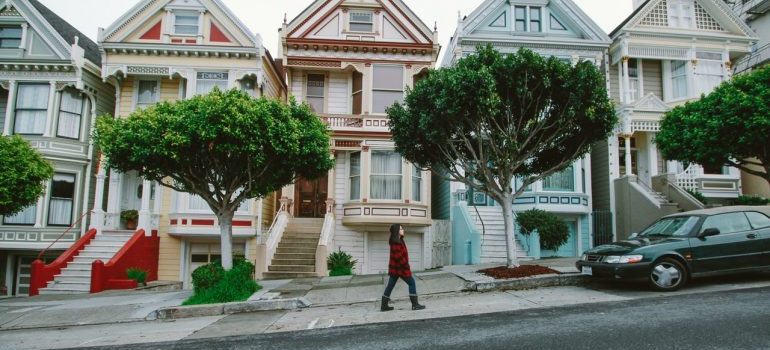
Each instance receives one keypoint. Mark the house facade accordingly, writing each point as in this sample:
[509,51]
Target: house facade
[169,50]
[666,53]
[50,92]
[349,61]
[556,28]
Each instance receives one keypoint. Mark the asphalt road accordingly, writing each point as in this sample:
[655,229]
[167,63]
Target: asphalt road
[738,319]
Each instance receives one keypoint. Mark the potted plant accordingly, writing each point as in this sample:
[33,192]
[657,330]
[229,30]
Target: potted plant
[129,217]
[138,275]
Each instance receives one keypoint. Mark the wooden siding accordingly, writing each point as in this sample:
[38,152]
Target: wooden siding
[653,77]
[345,237]
[338,94]
[297,79]
[273,86]
[127,97]
[268,210]
[105,96]
[600,181]
[614,84]
[170,247]
[169,89]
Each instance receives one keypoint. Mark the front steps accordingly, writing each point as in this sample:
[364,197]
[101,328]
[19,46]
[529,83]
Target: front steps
[75,278]
[493,237]
[295,255]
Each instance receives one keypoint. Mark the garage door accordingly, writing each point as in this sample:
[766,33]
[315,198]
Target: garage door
[379,252]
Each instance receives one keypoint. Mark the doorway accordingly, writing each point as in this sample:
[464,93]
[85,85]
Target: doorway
[310,197]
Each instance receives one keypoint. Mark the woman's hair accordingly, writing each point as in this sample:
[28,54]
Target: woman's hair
[395,237]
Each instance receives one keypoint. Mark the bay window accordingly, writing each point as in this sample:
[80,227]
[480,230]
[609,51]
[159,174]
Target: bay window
[316,92]
[562,181]
[355,176]
[70,114]
[186,23]
[708,72]
[148,93]
[31,109]
[416,184]
[26,217]
[206,81]
[678,79]
[388,87]
[62,198]
[386,175]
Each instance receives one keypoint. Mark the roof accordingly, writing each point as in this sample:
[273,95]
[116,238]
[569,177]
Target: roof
[625,21]
[68,33]
[723,210]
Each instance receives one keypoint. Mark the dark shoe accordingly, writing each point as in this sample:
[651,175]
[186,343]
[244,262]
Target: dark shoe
[415,304]
[384,304]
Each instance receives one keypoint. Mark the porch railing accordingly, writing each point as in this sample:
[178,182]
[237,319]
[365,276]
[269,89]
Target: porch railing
[342,120]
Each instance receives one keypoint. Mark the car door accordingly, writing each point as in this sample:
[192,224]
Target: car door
[735,246]
[760,222]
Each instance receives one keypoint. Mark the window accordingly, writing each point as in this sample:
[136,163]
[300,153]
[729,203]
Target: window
[518,182]
[521,18]
[207,81]
[355,176]
[677,226]
[316,92]
[561,181]
[386,175]
[708,72]
[758,220]
[197,203]
[416,184]
[357,92]
[70,112]
[62,199]
[25,217]
[535,23]
[388,87]
[148,93]
[678,79]
[361,22]
[633,78]
[31,108]
[727,223]
[10,37]
[528,19]
[186,23]
[680,13]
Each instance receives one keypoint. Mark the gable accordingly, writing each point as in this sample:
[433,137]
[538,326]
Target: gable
[687,15]
[41,34]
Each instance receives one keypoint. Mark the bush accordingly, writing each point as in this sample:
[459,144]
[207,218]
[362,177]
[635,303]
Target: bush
[699,196]
[137,274]
[751,200]
[215,285]
[340,263]
[553,230]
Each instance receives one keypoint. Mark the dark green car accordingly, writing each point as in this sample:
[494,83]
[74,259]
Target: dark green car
[691,244]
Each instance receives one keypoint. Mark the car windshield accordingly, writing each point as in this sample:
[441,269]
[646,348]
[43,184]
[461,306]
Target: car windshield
[677,226]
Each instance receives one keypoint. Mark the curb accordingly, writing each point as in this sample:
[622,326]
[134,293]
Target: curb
[177,312]
[553,280]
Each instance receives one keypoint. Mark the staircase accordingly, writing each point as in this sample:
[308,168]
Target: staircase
[493,237]
[295,255]
[76,277]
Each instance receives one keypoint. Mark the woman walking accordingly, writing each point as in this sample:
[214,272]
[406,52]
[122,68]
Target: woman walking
[398,267]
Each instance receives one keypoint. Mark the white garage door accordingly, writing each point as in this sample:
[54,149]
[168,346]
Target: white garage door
[379,252]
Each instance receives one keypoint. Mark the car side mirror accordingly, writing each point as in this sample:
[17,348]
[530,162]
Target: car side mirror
[709,232]
[633,235]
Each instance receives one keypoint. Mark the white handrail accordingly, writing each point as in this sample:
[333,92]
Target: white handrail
[327,231]
[275,235]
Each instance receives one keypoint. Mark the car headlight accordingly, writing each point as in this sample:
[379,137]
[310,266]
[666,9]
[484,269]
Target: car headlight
[625,259]
[584,257]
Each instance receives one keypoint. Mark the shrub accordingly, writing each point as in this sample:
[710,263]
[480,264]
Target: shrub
[553,230]
[215,285]
[129,215]
[340,263]
[699,196]
[137,274]
[206,276]
[751,200]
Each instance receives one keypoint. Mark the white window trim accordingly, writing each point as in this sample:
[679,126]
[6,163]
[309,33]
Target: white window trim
[403,178]
[74,211]
[350,21]
[135,102]
[326,89]
[195,76]
[84,114]
[422,184]
[373,88]
[348,187]
[174,13]
[528,19]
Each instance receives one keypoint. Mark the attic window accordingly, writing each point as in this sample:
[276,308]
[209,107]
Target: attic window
[10,37]
[361,21]
[528,19]
[186,23]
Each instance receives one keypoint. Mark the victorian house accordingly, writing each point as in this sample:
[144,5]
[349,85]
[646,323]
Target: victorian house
[50,92]
[168,50]
[556,28]
[350,60]
[667,52]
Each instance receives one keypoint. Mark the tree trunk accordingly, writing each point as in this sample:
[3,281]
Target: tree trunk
[226,238]
[510,235]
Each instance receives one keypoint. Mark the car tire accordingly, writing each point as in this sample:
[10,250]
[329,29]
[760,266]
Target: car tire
[667,275]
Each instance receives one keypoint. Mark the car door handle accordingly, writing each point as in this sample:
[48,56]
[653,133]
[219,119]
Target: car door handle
[751,236]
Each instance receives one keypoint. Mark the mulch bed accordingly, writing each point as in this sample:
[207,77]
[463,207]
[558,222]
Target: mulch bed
[503,272]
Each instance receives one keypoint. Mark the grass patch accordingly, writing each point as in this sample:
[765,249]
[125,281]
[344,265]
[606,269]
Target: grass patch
[214,285]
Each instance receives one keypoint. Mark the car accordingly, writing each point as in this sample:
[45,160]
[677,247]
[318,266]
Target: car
[678,247]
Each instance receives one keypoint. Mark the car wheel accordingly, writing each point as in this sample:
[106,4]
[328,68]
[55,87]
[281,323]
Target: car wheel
[667,275]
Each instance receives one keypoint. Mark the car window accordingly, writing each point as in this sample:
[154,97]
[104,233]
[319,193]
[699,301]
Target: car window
[673,226]
[758,220]
[727,223]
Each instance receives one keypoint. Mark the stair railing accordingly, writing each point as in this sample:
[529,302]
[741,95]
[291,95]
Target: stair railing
[41,274]
[269,241]
[63,233]
[140,251]
[327,236]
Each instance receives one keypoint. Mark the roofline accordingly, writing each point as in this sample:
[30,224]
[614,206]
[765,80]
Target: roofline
[628,19]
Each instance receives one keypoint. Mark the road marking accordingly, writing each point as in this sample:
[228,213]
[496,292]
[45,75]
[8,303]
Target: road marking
[330,324]
[312,324]
[24,310]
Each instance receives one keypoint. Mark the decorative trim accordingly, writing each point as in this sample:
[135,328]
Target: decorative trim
[147,70]
[315,63]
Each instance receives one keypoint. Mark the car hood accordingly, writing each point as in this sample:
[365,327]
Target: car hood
[632,245]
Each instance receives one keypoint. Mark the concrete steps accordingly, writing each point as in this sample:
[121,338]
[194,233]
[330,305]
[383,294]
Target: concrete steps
[295,254]
[493,238]
[75,278]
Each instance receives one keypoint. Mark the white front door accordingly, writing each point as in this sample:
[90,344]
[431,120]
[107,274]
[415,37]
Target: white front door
[379,252]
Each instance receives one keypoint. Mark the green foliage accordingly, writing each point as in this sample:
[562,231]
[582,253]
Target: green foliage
[23,174]
[699,196]
[129,215]
[137,274]
[729,126]
[751,200]
[553,230]
[212,284]
[340,263]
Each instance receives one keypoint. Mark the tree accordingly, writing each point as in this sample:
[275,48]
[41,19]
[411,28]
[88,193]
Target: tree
[23,174]
[493,117]
[729,126]
[225,147]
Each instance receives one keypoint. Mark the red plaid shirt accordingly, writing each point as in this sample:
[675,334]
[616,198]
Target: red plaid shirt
[399,260]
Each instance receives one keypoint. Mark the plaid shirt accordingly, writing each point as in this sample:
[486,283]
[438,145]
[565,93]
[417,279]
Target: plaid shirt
[399,260]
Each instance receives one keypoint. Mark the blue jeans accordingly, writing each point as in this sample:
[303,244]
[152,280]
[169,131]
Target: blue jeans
[392,283]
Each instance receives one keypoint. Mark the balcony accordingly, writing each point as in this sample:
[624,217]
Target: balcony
[347,122]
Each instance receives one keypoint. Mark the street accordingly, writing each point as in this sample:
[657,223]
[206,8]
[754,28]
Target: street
[733,319]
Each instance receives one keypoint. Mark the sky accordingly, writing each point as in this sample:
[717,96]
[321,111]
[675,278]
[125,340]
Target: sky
[265,16]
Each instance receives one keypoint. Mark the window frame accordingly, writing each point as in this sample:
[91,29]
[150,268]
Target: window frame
[73,199]
[527,20]
[3,39]
[675,20]
[137,89]
[183,13]
[80,116]
[324,87]
[752,222]
[568,170]
[34,217]
[417,193]
[351,176]
[375,89]
[16,108]
[400,175]
[737,213]
[198,79]
[672,77]
[359,22]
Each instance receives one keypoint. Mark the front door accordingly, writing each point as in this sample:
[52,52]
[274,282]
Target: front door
[310,197]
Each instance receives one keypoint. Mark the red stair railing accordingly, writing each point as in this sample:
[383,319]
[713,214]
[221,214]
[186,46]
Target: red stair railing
[41,273]
[139,252]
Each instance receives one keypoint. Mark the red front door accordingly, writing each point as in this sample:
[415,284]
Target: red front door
[310,197]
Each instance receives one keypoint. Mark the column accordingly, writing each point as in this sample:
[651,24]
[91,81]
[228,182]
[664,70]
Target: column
[200,26]
[629,169]
[10,107]
[97,215]
[52,96]
[626,81]
[652,156]
[366,161]
[113,200]
[330,189]
[144,212]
